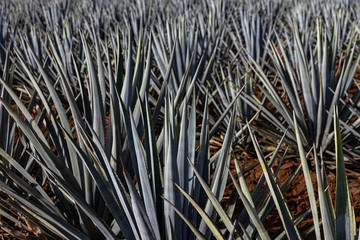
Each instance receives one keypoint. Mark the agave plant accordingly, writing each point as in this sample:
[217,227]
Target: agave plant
[322,79]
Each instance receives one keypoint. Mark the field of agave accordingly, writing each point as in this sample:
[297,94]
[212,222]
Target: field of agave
[123,119]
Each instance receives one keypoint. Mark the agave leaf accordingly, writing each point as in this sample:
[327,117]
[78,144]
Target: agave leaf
[202,159]
[130,139]
[212,198]
[116,137]
[119,60]
[138,72]
[153,161]
[266,208]
[4,116]
[178,62]
[182,159]
[203,215]
[246,192]
[145,83]
[113,133]
[98,119]
[326,208]
[164,86]
[261,181]
[147,195]
[182,152]
[183,82]
[308,181]
[211,61]
[192,140]
[143,222]
[251,210]
[193,229]
[297,221]
[283,210]
[189,88]
[100,75]
[170,172]
[218,184]
[345,222]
